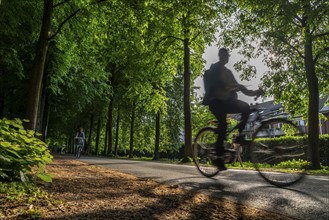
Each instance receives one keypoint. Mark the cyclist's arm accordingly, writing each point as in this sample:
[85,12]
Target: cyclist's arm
[234,86]
[238,87]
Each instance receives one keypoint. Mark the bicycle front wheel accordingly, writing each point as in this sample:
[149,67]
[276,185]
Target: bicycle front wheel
[278,151]
[204,148]
[79,152]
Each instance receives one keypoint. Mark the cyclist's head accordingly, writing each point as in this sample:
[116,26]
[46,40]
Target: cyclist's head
[223,54]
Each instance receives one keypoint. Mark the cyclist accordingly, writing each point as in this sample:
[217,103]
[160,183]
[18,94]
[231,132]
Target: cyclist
[221,96]
[80,134]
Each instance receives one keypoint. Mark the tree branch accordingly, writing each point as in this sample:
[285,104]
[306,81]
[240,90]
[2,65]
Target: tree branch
[295,49]
[196,36]
[165,38]
[298,18]
[162,57]
[319,20]
[58,4]
[326,49]
[320,35]
[291,46]
[61,24]
[286,14]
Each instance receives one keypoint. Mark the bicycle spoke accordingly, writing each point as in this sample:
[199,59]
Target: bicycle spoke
[204,151]
[275,159]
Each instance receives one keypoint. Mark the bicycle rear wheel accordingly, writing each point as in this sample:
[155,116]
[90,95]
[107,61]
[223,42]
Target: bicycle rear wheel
[204,148]
[278,151]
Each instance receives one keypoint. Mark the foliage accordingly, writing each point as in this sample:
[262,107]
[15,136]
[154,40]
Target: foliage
[293,164]
[20,22]
[275,32]
[132,53]
[324,145]
[292,38]
[247,165]
[18,191]
[324,149]
[22,195]
[20,152]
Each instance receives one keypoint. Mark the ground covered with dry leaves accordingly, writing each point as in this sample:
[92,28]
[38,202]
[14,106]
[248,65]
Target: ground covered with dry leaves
[83,191]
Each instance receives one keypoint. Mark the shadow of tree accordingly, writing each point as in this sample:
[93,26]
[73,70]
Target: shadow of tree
[90,192]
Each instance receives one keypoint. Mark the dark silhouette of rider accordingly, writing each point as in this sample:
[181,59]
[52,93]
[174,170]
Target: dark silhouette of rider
[221,97]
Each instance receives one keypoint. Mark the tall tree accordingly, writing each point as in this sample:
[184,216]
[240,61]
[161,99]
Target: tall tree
[195,26]
[18,36]
[132,127]
[157,136]
[38,66]
[294,36]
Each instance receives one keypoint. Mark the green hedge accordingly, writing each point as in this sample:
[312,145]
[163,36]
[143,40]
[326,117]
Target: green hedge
[323,144]
[324,149]
[20,152]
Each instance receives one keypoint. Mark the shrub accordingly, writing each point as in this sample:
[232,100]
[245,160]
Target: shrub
[293,164]
[324,149]
[323,145]
[21,151]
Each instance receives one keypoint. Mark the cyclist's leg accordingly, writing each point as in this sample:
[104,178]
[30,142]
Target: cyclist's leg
[238,106]
[216,107]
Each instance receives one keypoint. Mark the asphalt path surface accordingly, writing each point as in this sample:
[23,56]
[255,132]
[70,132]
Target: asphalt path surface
[308,199]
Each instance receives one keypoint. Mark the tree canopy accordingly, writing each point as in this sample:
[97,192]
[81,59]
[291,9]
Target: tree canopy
[128,68]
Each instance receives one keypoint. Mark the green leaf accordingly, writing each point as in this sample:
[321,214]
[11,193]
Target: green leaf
[5,144]
[3,158]
[44,177]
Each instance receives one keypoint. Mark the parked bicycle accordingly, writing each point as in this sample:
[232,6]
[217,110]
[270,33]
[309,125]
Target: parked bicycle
[275,160]
[79,143]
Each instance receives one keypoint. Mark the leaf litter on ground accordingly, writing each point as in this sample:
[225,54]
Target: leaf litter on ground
[83,191]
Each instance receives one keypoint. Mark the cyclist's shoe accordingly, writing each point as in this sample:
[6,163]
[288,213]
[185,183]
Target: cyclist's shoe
[219,163]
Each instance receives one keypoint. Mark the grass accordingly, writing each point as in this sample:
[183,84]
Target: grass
[21,200]
[18,193]
[283,167]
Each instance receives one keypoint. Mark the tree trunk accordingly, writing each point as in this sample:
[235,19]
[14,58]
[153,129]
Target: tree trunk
[117,133]
[98,136]
[313,106]
[68,144]
[41,112]
[105,141]
[90,132]
[110,124]
[2,105]
[157,136]
[132,131]
[45,120]
[38,67]
[2,96]
[187,108]
[73,143]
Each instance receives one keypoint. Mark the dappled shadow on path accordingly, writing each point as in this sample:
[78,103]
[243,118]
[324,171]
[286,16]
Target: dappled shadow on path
[90,192]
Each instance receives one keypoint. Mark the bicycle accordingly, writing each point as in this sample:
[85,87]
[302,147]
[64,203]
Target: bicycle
[271,158]
[79,143]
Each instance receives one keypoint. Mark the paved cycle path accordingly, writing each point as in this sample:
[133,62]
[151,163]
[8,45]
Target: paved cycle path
[308,199]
